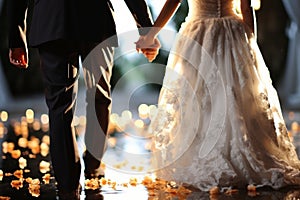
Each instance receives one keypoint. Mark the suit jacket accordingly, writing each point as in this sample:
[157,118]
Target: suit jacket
[78,20]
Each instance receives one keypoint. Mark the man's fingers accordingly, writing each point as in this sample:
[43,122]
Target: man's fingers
[18,57]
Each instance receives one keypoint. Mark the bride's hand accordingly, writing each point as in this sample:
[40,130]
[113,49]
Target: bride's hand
[148,46]
[144,42]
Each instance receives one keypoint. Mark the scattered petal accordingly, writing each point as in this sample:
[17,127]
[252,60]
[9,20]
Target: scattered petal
[15,154]
[17,184]
[23,142]
[34,187]
[22,163]
[18,174]
[44,166]
[46,178]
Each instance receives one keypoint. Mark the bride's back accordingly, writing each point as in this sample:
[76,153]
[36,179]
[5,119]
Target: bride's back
[212,8]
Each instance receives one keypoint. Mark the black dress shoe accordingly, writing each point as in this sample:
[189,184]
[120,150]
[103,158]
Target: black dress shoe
[70,195]
[93,196]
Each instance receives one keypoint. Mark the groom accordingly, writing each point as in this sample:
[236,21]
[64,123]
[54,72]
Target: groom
[63,30]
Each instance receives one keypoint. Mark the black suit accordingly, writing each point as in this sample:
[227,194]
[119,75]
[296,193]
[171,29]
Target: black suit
[89,20]
[63,30]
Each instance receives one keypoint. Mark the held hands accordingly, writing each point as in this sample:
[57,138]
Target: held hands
[18,57]
[148,46]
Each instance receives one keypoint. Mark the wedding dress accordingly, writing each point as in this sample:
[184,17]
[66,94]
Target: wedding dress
[219,121]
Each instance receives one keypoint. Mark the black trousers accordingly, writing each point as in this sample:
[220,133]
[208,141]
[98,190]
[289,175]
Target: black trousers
[60,66]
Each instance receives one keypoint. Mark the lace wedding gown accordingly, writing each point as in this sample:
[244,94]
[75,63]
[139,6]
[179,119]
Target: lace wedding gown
[219,121]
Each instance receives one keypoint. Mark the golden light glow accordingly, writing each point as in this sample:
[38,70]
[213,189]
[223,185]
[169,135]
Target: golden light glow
[143,110]
[112,142]
[114,118]
[15,154]
[3,130]
[44,149]
[237,7]
[139,123]
[4,116]
[22,163]
[46,178]
[1,175]
[34,187]
[44,119]
[16,184]
[44,166]
[36,125]
[256,4]
[126,115]
[22,142]
[294,127]
[152,111]
[291,115]
[29,115]
[10,147]
[46,139]
[34,146]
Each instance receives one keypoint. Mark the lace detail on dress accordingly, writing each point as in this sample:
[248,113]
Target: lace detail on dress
[219,121]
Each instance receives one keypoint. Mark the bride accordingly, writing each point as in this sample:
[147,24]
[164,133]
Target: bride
[219,121]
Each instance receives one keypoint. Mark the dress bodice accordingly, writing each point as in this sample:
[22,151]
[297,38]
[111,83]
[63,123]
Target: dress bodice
[211,8]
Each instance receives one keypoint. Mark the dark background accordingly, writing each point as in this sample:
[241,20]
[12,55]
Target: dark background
[272,21]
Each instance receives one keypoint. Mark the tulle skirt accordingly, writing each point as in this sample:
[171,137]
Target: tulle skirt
[219,121]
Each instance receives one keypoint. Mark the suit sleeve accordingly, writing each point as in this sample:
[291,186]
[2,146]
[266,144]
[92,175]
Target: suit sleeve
[141,14]
[16,10]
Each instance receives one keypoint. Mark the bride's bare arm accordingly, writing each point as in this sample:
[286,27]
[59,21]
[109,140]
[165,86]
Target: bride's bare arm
[247,14]
[164,16]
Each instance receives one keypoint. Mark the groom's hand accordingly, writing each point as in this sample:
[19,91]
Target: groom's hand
[18,57]
[149,49]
